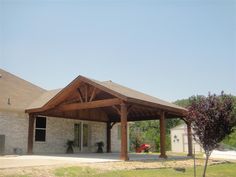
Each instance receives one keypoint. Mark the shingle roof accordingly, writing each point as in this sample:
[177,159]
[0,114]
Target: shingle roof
[43,99]
[114,87]
[24,95]
[16,91]
[130,93]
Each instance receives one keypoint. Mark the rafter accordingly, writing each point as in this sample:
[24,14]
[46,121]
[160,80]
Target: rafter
[80,95]
[117,109]
[93,94]
[129,108]
[86,93]
[111,124]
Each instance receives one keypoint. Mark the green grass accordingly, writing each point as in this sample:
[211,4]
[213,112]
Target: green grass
[222,170]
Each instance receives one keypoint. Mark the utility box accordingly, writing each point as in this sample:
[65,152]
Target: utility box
[2,144]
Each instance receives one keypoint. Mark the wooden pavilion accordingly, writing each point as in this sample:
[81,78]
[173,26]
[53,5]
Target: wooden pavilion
[83,97]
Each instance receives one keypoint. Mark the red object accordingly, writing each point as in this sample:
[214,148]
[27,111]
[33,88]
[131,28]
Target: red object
[142,148]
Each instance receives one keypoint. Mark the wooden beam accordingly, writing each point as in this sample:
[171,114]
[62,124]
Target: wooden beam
[129,108]
[190,143]
[80,95]
[112,124]
[93,94]
[124,142]
[162,136]
[141,118]
[117,109]
[86,93]
[64,116]
[30,134]
[90,105]
[108,137]
[178,111]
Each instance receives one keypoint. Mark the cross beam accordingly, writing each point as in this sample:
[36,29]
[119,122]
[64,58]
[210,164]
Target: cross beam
[90,105]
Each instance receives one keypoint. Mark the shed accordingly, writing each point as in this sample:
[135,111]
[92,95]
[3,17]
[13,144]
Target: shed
[179,140]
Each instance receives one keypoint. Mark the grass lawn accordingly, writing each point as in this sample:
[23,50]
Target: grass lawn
[221,170]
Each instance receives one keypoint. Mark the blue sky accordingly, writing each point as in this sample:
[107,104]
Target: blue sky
[171,49]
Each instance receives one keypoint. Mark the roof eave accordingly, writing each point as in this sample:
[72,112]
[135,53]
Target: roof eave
[182,112]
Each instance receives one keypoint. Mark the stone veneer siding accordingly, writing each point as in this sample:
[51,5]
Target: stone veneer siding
[14,126]
[116,140]
[59,130]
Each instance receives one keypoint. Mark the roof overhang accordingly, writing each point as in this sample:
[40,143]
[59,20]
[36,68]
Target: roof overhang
[108,98]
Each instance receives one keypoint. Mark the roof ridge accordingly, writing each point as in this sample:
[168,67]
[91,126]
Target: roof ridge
[17,77]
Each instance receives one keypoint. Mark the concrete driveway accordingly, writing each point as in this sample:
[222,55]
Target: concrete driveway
[13,161]
[226,155]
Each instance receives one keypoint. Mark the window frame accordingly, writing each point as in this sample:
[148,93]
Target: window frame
[77,135]
[40,129]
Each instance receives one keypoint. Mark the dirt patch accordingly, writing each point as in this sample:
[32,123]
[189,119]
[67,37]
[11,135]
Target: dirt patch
[149,164]
[48,171]
[42,171]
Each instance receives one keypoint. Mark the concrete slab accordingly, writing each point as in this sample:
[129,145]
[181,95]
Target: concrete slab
[55,159]
[73,159]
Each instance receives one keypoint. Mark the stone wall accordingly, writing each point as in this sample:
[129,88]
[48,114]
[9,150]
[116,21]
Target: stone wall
[58,130]
[14,126]
[116,139]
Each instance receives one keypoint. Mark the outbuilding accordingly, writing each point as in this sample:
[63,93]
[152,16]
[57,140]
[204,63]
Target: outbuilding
[179,140]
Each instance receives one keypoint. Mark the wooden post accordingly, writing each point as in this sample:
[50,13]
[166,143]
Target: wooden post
[162,136]
[31,134]
[190,140]
[123,118]
[108,137]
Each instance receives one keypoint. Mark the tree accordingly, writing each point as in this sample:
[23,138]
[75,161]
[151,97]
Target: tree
[136,137]
[212,119]
[149,132]
[230,140]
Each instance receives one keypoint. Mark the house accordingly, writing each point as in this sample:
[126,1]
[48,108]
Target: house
[35,120]
[179,140]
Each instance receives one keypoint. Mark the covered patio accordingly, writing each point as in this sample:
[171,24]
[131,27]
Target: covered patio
[88,99]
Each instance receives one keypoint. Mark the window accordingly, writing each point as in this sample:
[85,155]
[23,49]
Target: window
[85,135]
[81,139]
[77,134]
[40,129]
[119,132]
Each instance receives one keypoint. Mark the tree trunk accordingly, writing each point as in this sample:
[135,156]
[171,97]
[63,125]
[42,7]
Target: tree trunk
[205,166]
[194,162]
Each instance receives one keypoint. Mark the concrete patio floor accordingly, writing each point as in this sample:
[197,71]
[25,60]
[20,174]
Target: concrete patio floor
[13,161]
